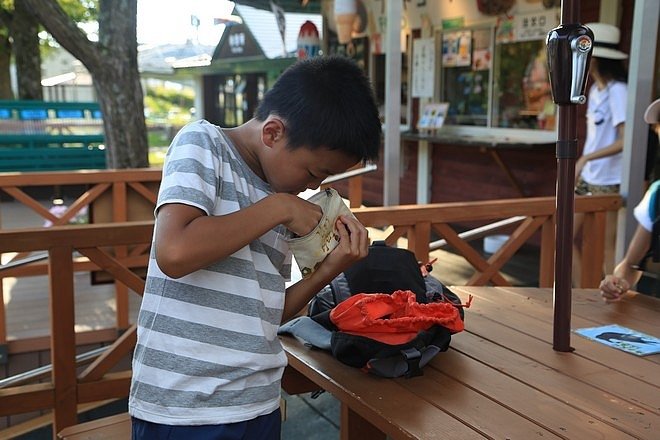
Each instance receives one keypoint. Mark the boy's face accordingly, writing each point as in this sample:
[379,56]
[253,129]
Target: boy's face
[295,170]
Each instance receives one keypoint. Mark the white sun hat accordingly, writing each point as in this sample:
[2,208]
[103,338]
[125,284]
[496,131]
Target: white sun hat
[652,113]
[606,40]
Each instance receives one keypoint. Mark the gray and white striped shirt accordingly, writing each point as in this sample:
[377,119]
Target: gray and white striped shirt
[207,350]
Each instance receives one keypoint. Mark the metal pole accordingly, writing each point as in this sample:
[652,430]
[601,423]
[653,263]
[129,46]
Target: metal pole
[392,159]
[566,155]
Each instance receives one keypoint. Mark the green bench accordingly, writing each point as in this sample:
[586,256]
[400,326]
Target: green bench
[51,136]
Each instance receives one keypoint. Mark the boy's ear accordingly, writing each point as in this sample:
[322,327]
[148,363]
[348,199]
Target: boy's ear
[272,131]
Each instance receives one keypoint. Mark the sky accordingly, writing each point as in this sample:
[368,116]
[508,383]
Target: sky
[168,21]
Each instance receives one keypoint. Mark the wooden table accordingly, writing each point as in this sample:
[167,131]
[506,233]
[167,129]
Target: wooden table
[501,378]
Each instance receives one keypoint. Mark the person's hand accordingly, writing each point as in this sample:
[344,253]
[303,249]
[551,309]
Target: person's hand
[304,215]
[612,288]
[353,245]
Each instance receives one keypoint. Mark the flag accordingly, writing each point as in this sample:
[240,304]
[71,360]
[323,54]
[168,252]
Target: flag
[281,23]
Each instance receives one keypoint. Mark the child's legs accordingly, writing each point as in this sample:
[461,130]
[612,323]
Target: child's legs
[265,427]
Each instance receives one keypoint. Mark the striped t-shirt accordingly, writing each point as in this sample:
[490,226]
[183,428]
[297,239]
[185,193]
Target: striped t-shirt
[207,349]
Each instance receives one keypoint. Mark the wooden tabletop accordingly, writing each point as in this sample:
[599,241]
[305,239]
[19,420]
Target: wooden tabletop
[502,379]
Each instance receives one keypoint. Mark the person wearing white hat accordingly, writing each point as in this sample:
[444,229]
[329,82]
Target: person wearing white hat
[629,271]
[598,170]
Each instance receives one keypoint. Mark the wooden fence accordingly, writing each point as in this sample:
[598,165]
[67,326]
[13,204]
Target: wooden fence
[101,245]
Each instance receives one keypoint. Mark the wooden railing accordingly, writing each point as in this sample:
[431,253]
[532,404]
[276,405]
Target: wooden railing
[417,222]
[67,389]
[109,196]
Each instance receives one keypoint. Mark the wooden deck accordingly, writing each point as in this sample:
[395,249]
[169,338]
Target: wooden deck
[502,379]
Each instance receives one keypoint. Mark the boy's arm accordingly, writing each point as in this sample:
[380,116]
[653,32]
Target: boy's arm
[353,246]
[187,239]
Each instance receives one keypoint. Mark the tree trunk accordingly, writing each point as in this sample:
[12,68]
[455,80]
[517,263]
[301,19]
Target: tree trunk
[112,62]
[122,106]
[5,62]
[25,32]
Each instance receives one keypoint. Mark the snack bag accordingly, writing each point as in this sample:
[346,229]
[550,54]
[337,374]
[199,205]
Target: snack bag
[311,249]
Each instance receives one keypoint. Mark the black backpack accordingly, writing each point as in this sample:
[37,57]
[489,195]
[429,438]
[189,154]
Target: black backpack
[385,270]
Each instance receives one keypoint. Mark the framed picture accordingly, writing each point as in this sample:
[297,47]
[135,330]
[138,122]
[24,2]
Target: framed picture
[433,116]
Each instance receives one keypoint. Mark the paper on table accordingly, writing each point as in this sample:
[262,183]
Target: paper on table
[623,338]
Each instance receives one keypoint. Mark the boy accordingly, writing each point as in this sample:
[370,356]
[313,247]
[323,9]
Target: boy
[208,362]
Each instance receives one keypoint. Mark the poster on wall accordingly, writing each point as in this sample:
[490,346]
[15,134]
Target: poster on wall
[457,49]
[433,116]
[423,67]
[504,33]
[535,26]
[481,54]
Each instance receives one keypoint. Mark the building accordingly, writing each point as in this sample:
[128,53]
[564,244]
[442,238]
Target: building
[250,56]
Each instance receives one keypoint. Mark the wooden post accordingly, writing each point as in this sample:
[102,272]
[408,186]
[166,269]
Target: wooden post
[63,337]
[120,214]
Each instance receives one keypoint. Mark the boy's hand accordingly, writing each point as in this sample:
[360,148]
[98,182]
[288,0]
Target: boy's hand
[353,245]
[304,215]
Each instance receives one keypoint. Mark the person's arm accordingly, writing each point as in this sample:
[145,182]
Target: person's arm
[610,150]
[353,246]
[626,274]
[187,239]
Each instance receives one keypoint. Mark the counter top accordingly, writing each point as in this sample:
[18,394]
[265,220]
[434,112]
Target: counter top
[480,140]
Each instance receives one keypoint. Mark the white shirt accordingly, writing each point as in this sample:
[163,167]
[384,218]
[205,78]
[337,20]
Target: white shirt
[642,211]
[606,109]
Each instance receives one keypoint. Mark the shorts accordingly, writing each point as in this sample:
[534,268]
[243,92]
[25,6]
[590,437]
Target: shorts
[266,427]
[586,189]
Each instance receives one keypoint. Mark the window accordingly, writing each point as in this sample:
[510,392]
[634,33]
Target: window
[522,96]
[465,75]
[494,84]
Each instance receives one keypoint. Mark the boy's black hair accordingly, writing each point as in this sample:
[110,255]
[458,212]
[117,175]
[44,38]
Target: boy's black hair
[326,102]
[612,69]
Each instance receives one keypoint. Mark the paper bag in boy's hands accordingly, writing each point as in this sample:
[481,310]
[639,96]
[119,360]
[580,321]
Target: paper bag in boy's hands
[311,249]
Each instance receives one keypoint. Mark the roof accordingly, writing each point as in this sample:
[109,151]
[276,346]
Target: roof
[161,59]
[262,31]
[310,6]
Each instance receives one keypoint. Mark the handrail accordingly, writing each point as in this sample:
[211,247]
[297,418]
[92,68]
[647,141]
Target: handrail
[45,370]
[67,390]
[23,262]
[479,232]
[350,173]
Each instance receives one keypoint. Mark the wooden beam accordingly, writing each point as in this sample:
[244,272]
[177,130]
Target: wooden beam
[26,398]
[63,337]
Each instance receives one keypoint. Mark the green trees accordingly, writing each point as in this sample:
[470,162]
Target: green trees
[112,62]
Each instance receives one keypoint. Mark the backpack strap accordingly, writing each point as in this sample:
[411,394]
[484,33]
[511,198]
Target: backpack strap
[408,363]
[340,289]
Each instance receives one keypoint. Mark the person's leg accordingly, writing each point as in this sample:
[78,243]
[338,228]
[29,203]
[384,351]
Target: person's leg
[581,189]
[266,427]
